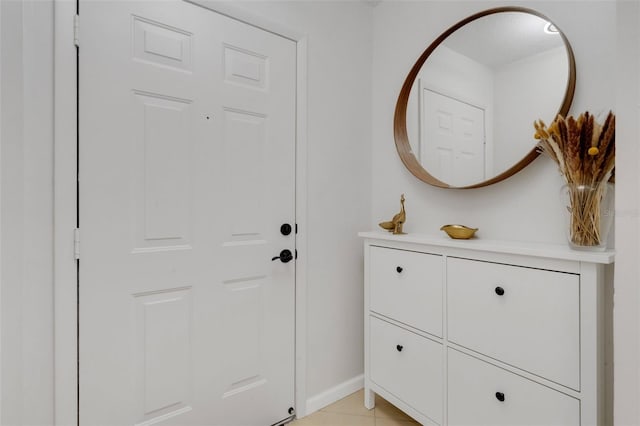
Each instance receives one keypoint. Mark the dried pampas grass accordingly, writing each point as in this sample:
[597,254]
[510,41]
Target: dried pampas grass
[585,153]
[583,149]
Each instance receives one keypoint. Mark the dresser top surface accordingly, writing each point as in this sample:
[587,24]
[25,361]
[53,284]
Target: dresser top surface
[555,251]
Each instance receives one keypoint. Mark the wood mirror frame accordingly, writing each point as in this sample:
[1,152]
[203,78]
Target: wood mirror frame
[400,118]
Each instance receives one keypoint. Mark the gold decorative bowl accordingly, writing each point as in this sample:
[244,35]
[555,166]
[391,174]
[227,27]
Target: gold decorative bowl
[459,232]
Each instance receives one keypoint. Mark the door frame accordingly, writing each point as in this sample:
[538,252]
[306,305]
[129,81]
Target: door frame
[66,392]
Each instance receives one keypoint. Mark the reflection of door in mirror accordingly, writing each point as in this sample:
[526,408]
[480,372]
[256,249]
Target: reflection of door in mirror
[497,69]
[452,138]
[470,82]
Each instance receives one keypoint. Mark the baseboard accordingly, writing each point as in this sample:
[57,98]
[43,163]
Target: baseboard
[334,394]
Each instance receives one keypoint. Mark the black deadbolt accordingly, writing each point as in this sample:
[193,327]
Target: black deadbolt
[500,396]
[399,348]
[285,229]
[499,291]
[285,256]
[399,269]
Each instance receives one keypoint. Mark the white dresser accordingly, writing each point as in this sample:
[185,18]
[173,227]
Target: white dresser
[484,332]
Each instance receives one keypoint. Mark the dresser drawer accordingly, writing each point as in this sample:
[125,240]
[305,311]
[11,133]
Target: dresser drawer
[528,318]
[408,366]
[475,390]
[407,286]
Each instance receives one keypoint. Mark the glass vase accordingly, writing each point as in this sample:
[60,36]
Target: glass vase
[590,215]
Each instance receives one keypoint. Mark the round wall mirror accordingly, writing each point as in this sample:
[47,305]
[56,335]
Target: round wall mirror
[464,117]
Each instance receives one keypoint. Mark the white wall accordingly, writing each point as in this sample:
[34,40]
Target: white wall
[402,30]
[338,171]
[26,125]
[11,228]
[626,71]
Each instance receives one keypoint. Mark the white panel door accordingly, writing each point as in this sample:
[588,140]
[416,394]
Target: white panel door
[452,139]
[187,159]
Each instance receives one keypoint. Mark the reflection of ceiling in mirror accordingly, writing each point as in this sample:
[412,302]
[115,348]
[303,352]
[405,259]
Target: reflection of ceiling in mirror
[502,38]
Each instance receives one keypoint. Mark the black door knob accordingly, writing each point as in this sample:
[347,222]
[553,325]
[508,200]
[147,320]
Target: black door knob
[285,256]
[500,396]
[285,229]
[499,291]
[399,348]
[399,269]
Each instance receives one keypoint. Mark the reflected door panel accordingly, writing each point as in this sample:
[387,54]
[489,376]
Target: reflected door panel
[453,142]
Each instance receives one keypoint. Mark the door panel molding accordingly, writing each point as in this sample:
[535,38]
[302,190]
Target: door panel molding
[65,202]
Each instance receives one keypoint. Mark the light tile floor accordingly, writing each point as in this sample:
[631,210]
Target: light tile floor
[350,411]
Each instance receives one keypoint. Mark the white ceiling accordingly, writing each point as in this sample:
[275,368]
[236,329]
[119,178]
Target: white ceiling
[502,38]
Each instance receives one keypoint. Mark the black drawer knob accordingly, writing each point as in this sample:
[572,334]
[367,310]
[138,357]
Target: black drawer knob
[500,396]
[399,269]
[399,348]
[499,291]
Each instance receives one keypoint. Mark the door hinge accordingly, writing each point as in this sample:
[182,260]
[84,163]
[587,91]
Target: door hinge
[76,243]
[76,30]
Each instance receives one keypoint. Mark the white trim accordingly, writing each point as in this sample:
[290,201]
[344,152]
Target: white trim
[244,15]
[1,205]
[65,273]
[334,394]
[301,237]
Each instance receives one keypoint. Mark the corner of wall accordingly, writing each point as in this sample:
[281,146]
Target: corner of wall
[11,127]
[26,192]
[328,397]
[626,317]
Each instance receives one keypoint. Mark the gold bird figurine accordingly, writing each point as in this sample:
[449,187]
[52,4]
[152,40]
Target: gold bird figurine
[395,225]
